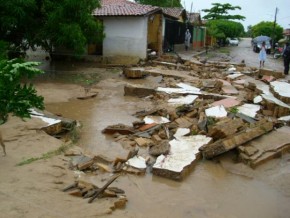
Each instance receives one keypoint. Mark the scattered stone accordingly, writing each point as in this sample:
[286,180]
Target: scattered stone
[143,142]
[161,148]
[265,148]
[269,72]
[138,91]
[225,128]
[244,136]
[119,128]
[134,73]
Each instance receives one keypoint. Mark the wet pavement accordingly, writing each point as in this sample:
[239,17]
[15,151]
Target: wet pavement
[213,189]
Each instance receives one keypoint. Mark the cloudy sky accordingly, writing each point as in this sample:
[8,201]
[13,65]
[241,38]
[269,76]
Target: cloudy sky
[255,11]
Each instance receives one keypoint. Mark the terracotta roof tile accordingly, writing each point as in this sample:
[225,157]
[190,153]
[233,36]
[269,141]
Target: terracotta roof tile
[194,17]
[173,12]
[123,8]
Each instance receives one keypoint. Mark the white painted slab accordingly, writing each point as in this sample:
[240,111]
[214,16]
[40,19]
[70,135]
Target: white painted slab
[189,99]
[155,119]
[137,162]
[49,121]
[189,88]
[275,100]
[285,118]
[217,111]
[258,99]
[175,90]
[249,109]
[182,153]
[181,132]
[235,75]
[282,88]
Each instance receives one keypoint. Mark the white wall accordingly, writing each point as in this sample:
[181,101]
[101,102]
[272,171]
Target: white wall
[125,36]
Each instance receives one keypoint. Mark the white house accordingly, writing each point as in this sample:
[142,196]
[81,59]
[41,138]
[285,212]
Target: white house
[130,28]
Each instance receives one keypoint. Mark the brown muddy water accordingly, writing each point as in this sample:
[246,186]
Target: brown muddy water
[218,189]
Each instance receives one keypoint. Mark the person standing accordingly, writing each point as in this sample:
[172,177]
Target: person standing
[286,57]
[187,39]
[262,55]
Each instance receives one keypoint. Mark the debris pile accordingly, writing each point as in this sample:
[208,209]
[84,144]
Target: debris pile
[202,109]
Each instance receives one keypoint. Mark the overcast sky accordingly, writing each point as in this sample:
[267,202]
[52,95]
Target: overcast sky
[255,11]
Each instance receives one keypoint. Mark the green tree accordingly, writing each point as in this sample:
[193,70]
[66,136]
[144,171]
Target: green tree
[266,28]
[160,3]
[17,97]
[249,31]
[225,28]
[221,12]
[49,24]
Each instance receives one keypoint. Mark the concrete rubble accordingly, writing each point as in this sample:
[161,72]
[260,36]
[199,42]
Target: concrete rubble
[200,110]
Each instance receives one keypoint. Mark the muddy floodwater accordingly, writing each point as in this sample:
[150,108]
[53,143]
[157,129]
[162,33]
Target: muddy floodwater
[220,188]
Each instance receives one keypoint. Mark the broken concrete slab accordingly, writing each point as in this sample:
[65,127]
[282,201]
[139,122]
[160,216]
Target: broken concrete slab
[227,102]
[265,148]
[134,72]
[225,128]
[216,111]
[228,89]
[119,128]
[183,154]
[249,109]
[137,162]
[268,79]
[54,124]
[235,75]
[189,99]
[181,132]
[270,72]
[155,119]
[281,91]
[221,146]
[138,91]
[258,99]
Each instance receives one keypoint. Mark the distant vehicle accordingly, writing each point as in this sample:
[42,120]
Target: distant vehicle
[257,44]
[233,41]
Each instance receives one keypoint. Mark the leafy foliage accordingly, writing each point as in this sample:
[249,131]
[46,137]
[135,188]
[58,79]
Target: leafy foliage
[225,28]
[49,23]
[266,28]
[17,97]
[160,3]
[220,12]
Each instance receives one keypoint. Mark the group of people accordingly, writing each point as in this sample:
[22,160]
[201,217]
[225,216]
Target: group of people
[285,55]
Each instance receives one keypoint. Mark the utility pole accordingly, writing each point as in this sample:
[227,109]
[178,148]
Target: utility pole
[274,27]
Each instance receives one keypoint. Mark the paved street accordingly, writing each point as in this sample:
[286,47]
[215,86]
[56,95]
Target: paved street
[245,52]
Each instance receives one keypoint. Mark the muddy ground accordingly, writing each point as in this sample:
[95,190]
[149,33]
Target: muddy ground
[220,188]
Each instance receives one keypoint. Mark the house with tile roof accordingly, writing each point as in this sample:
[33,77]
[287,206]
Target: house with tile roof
[174,27]
[130,28]
[199,31]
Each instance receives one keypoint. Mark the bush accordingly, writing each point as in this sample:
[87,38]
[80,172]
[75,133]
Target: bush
[17,97]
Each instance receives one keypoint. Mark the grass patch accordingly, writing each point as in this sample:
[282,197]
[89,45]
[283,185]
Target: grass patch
[73,135]
[224,50]
[47,155]
[85,79]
